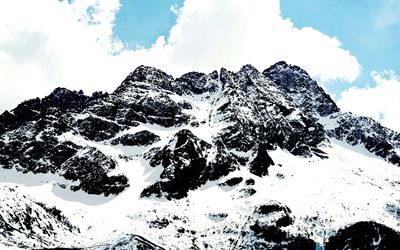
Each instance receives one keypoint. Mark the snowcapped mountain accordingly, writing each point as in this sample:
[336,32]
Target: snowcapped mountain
[226,160]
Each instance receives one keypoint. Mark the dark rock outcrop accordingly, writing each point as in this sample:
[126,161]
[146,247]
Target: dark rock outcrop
[186,167]
[141,138]
[259,113]
[97,129]
[259,166]
[265,229]
[356,130]
[24,221]
[234,181]
[195,83]
[90,168]
[301,88]
[129,241]
[364,235]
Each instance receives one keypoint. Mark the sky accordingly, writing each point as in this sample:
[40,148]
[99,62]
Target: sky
[370,29]
[350,47]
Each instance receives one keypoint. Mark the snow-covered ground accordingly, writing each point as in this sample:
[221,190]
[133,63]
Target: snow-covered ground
[324,195]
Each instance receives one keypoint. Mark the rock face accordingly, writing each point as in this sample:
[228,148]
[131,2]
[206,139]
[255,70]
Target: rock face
[26,223]
[265,229]
[300,88]
[97,129]
[172,136]
[127,242]
[364,235]
[260,113]
[142,138]
[364,131]
[231,182]
[90,167]
[259,166]
[186,166]
[122,243]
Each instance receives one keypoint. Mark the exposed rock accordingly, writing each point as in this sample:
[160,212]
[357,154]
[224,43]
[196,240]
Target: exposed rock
[102,107]
[247,192]
[142,138]
[250,182]
[130,241]
[259,166]
[217,217]
[97,129]
[356,130]
[185,165]
[194,124]
[62,152]
[159,223]
[364,235]
[148,104]
[232,182]
[195,83]
[90,167]
[301,88]
[270,117]
[265,229]
[150,75]
[24,222]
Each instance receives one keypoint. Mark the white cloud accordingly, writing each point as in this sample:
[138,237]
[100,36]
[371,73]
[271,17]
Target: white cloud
[229,33]
[47,43]
[174,9]
[50,43]
[387,15]
[380,102]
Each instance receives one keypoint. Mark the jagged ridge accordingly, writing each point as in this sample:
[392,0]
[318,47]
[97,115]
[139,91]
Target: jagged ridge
[247,114]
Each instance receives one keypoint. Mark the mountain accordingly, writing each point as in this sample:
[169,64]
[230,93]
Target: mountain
[226,160]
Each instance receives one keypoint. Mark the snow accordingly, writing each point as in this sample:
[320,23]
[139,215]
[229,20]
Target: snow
[338,191]
[295,115]
[329,122]
[324,195]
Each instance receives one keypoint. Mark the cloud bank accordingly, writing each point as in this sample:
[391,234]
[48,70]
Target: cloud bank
[49,43]
[210,34]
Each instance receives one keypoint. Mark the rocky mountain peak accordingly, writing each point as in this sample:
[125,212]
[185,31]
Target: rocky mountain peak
[249,69]
[60,92]
[65,99]
[195,83]
[297,83]
[290,77]
[148,74]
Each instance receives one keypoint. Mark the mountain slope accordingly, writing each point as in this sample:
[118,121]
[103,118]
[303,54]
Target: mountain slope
[193,162]
[26,223]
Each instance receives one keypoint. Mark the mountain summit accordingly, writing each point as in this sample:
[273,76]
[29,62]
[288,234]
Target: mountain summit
[226,160]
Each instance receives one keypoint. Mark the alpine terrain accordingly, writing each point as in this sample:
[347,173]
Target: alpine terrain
[226,160]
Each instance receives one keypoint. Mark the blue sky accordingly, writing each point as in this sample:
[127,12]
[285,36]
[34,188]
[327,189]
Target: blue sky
[353,23]
[140,22]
